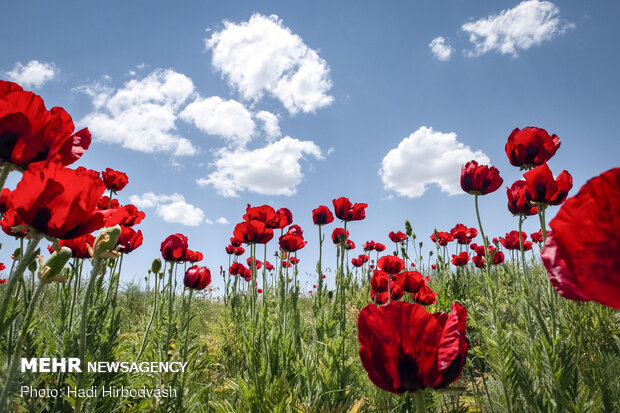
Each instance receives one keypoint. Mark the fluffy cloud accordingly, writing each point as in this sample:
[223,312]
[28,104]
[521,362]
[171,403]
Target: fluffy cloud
[441,50]
[171,208]
[272,170]
[142,114]
[222,220]
[427,157]
[226,118]
[269,123]
[262,55]
[528,24]
[32,74]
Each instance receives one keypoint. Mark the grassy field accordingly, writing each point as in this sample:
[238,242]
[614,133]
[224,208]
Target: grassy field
[279,351]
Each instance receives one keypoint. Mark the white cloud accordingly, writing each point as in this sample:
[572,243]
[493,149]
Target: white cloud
[441,50]
[32,74]
[208,221]
[171,208]
[427,157]
[142,114]
[528,24]
[262,55]
[222,220]
[215,116]
[269,124]
[272,170]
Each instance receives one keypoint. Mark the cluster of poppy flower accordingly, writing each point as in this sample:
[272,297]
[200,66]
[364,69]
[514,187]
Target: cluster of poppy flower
[175,249]
[460,232]
[65,205]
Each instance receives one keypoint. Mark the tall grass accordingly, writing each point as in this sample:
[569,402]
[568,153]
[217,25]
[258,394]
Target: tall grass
[530,350]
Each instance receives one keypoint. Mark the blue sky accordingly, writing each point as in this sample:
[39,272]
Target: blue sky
[213,106]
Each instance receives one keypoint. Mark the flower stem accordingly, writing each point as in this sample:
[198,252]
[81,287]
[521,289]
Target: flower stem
[189,313]
[4,173]
[20,342]
[543,224]
[419,397]
[148,327]
[14,278]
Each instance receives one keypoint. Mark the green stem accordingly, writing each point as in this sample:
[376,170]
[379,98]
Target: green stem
[543,224]
[189,303]
[15,277]
[342,309]
[148,327]
[20,342]
[419,399]
[97,263]
[4,173]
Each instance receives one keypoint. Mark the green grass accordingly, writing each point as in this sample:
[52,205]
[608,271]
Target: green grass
[530,349]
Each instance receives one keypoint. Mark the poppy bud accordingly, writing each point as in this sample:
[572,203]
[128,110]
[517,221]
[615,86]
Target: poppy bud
[52,268]
[156,265]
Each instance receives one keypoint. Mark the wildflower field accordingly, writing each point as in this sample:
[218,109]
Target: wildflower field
[454,321]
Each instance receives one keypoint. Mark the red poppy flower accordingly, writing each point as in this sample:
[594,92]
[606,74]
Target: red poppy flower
[133,216]
[518,204]
[295,230]
[114,180]
[10,223]
[238,251]
[543,189]
[425,296]
[294,260]
[349,244]
[284,217]
[463,234]
[444,238]
[258,263]
[338,234]
[235,242]
[356,262]
[174,247]
[253,232]
[197,277]
[61,202]
[461,259]
[391,264]
[347,211]
[363,258]
[264,213]
[322,215]
[104,203]
[478,260]
[537,236]
[397,236]
[581,253]
[480,179]
[193,256]
[129,239]
[404,348]
[31,133]
[286,264]
[369,246]
[260,291]
[2,280]
[379,287]
[268,266]
[511,240]
[412,281]
[5,200]
[3,267]
[379,247]
[230,249]
[291,242]
[78,246]
[529,147]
